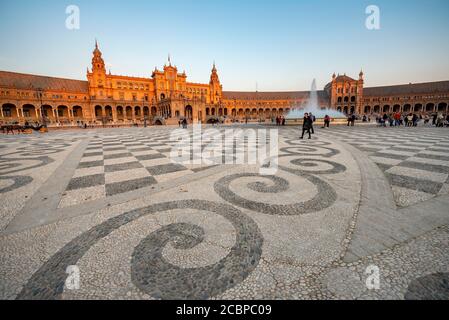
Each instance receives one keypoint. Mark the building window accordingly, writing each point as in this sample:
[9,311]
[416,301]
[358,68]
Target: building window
[7,112]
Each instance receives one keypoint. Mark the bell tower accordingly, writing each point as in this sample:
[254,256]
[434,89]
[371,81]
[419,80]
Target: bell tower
[360,83]
[215,86]
[97,78]
[97,61]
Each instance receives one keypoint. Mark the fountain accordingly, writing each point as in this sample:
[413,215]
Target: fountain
[296,116]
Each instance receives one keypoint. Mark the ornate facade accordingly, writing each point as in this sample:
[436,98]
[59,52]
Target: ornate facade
[167,97]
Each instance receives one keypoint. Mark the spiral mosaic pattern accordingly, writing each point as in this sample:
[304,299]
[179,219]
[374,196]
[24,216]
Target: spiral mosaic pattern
[150,272]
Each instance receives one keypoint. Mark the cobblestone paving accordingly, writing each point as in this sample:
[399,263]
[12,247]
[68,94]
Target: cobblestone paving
[416,162]
[138,226]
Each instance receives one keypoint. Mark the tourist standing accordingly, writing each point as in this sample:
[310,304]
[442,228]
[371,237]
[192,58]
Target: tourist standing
[327,121]
[415,120]
[409,120]
[397,119]
[440,120]
[385,118]
[307,125]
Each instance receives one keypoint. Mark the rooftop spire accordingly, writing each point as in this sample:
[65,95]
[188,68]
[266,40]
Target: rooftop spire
[169,60]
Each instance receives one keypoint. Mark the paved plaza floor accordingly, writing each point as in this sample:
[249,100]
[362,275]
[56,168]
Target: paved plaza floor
[354,213]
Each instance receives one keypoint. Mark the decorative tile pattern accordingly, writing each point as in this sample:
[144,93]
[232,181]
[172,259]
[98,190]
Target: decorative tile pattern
[415,160]
[122,163]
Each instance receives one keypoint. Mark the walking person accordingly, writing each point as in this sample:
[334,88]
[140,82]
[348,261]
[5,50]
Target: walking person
[312,119]
[307,125]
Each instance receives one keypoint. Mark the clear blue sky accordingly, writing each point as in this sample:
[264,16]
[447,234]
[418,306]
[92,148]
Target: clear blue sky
[281,45]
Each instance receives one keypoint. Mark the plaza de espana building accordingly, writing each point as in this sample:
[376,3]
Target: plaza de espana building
[167,97]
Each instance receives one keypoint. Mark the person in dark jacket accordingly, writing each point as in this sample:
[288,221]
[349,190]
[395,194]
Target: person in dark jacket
[415,120]
[306,126]
[312,118]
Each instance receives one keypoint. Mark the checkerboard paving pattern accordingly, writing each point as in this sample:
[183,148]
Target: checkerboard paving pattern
[415,161]
[116,164]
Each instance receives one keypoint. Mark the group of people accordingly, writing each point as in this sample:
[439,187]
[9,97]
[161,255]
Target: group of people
[351,120]
[183,123]
[307,125]
[412,119]
[16,126]
[280,121]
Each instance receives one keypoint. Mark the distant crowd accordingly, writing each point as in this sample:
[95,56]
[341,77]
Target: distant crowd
[280,121]
[412,119]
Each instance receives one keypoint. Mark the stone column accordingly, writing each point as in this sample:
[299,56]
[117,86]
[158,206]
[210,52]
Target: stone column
[114,114]
[56,115]
[20,113]
[70,115]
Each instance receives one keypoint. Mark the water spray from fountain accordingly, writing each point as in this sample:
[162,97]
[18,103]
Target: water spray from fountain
[312,105]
